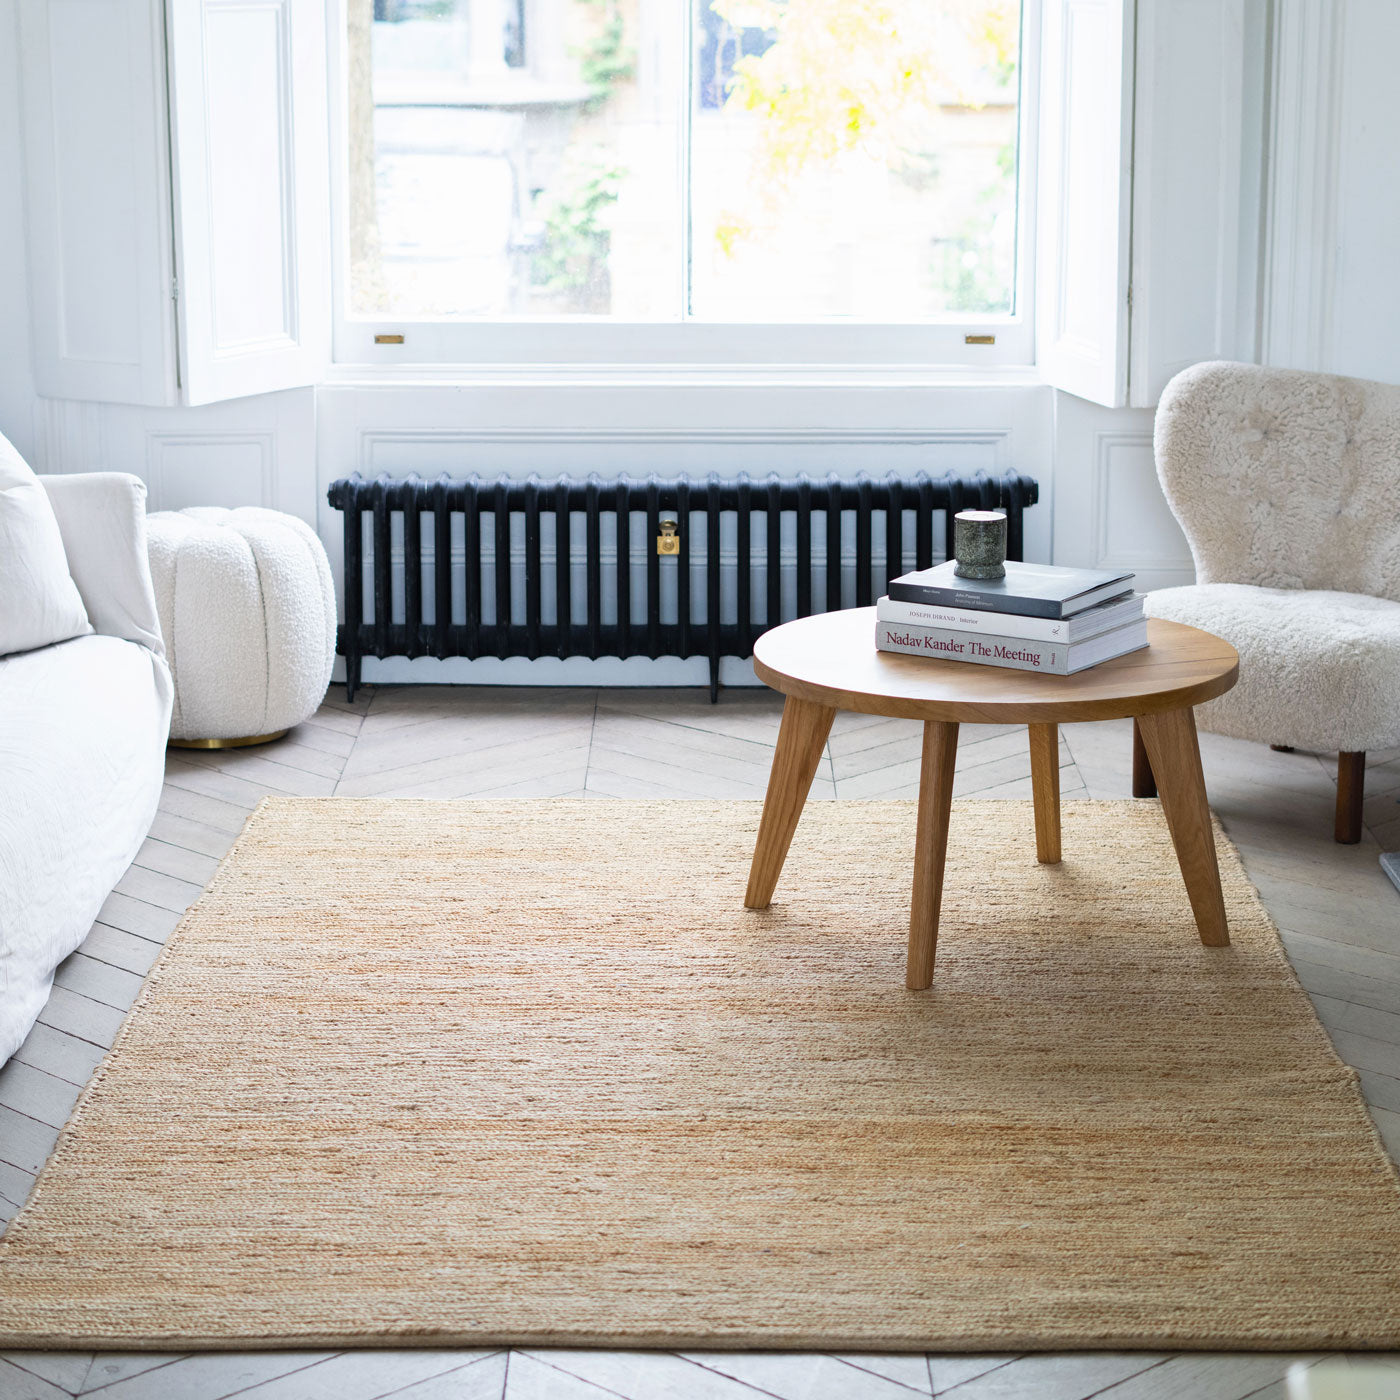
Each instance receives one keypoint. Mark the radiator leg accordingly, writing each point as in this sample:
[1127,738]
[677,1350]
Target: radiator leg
[352,676]
[714,680]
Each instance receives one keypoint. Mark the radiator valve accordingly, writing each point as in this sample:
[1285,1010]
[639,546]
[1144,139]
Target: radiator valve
[668,541]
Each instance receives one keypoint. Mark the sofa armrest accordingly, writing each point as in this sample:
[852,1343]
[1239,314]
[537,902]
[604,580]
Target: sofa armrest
[102,518]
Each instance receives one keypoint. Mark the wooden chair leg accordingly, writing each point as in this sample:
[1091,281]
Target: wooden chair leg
[1351,788]
[930,850]
[801,741]
[1176,760]
[1144,784]
[1045,788]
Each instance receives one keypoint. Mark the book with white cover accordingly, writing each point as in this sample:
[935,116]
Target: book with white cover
[1017,653]
[1117,612]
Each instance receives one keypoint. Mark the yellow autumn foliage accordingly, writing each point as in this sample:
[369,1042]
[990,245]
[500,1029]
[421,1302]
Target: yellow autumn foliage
[867,75]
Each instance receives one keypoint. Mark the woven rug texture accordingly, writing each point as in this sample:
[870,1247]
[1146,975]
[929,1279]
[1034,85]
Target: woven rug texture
[458,1073]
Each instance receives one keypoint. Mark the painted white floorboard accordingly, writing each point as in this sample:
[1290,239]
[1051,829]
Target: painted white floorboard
[908,1369]
[59,1053]
[791,1376]
[109,1367]
[209,1375]
[65,1369]
[1221,1376]
[367,1375]
[1340,921]
[1055,1377]
[482,1380]
[531,1378]
[37,1094]
[652,1375]
[19,1384]
[944,1372]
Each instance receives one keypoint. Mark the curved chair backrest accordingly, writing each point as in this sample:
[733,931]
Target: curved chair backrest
[1283,478]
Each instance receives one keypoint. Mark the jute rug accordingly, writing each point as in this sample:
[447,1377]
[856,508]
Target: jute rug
[456,1073]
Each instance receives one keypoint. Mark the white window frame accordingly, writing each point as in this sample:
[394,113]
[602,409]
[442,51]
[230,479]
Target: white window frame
[442,347]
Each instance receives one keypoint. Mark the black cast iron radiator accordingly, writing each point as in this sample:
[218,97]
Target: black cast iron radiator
[573,567]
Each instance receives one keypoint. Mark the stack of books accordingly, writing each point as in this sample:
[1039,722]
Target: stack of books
[1037,618]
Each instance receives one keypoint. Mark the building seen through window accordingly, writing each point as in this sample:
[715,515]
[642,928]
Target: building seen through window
[743,160]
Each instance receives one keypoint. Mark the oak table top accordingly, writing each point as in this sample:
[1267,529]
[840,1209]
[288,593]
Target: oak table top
[830,660]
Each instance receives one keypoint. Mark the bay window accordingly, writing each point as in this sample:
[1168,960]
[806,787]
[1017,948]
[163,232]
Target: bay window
[296,192]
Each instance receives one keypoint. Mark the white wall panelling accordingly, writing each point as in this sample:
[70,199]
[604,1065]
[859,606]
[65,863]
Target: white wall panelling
[1303,213]
[97,196]
[1198,109]
[1133,524]
[255,451]
[70,436]
[1081,331]
[18,401]
[1331,287]
[1365,300]
[211,469]
[1110,511]
[251,194]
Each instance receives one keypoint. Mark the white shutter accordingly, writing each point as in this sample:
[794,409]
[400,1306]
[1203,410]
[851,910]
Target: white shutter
[1199,107]
[1085,155]
[248,94]
[97,202]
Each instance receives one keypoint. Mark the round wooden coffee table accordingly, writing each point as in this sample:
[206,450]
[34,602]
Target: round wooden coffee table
[829,662]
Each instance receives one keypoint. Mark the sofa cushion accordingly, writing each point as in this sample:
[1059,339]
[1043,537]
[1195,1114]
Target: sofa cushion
[39,602]
[82,754]
[1318,670]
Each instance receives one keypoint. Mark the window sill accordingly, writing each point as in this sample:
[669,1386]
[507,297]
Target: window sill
[728,376]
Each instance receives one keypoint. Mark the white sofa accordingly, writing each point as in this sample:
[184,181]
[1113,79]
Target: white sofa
[83,725]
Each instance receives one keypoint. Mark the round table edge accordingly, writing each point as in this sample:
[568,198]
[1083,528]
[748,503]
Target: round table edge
[1050,711]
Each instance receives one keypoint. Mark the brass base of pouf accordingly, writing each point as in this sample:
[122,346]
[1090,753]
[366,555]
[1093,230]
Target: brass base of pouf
[225,743]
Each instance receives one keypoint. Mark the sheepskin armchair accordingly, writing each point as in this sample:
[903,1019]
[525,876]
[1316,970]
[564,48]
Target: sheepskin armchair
[1287,485]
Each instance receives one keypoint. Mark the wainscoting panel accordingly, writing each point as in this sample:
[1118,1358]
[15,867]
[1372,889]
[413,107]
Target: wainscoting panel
[1109,509]
[211,469]
[1134,525]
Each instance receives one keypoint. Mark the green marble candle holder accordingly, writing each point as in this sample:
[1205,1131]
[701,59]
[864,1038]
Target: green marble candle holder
[979,543]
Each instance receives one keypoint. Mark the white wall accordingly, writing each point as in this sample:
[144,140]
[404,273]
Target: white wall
[1364,327]
[1331,294]
[17,398]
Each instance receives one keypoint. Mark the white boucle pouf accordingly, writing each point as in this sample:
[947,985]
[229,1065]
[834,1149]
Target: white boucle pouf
[247,607]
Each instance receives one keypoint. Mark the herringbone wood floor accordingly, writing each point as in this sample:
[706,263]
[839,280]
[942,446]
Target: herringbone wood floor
[1340,920]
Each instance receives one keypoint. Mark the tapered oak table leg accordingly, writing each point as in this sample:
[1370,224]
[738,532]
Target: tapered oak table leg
[1045,787]
[930,849]
[801,740]
[1144,784]
[1170,738]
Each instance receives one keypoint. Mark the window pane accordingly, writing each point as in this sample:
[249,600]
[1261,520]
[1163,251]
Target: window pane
[854,158]
[516,158]
[526,158]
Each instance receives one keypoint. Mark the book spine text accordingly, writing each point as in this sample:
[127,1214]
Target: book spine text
[1015,652]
